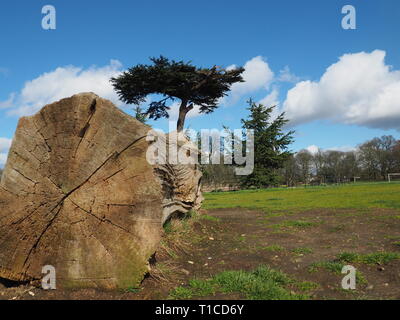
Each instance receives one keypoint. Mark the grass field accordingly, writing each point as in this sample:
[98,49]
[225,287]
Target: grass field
[351,196]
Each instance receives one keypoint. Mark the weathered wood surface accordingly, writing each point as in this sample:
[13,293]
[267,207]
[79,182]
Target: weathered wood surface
[78,193]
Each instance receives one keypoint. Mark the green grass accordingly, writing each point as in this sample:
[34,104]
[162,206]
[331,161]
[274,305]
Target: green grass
[350,257]
[335,267]
[272,248]
[307,286]
[263,283]
[168,228]
[182,293]
[133,290]
[302,251]
[357,196]
[371,258]
[392,237]
[331,266]
[209,218]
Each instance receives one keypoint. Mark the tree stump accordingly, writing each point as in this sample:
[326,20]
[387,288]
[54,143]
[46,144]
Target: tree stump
[77,193]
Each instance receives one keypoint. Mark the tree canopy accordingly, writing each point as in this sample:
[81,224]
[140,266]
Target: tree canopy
[193,86]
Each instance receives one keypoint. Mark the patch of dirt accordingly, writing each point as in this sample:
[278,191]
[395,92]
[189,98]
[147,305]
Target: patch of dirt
[244,239]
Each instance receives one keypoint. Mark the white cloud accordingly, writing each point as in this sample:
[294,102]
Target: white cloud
[272,99]
[285,75]
[64,82]
[313,149]
[359,89]
[5,145]
[257,75]
[342,149]
[231,67]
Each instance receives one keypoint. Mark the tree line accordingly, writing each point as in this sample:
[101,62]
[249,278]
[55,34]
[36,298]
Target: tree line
[373,160]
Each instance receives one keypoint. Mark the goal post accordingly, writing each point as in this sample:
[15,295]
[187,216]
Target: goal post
[390,175]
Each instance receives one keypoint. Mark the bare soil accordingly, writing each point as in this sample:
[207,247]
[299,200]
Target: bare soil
[245,239]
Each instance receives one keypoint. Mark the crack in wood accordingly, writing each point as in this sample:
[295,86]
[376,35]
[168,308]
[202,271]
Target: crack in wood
[85,129]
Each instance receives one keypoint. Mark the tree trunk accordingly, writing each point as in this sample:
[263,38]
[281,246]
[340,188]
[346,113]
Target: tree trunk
[183,111]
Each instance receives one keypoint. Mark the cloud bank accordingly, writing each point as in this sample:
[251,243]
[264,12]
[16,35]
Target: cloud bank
[359,89]
[60,83]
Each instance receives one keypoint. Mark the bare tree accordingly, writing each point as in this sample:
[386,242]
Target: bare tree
[304,161]
[378,157]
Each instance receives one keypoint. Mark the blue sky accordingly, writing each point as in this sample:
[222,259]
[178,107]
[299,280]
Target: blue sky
[287,45]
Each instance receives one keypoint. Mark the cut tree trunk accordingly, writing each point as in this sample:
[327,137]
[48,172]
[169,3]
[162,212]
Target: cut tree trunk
[78,193]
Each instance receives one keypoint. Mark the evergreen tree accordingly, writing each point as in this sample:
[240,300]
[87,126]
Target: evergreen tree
[192,86]
[270,145]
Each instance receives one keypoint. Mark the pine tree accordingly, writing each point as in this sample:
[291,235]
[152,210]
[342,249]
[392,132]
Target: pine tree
[192,86]
[270,145]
